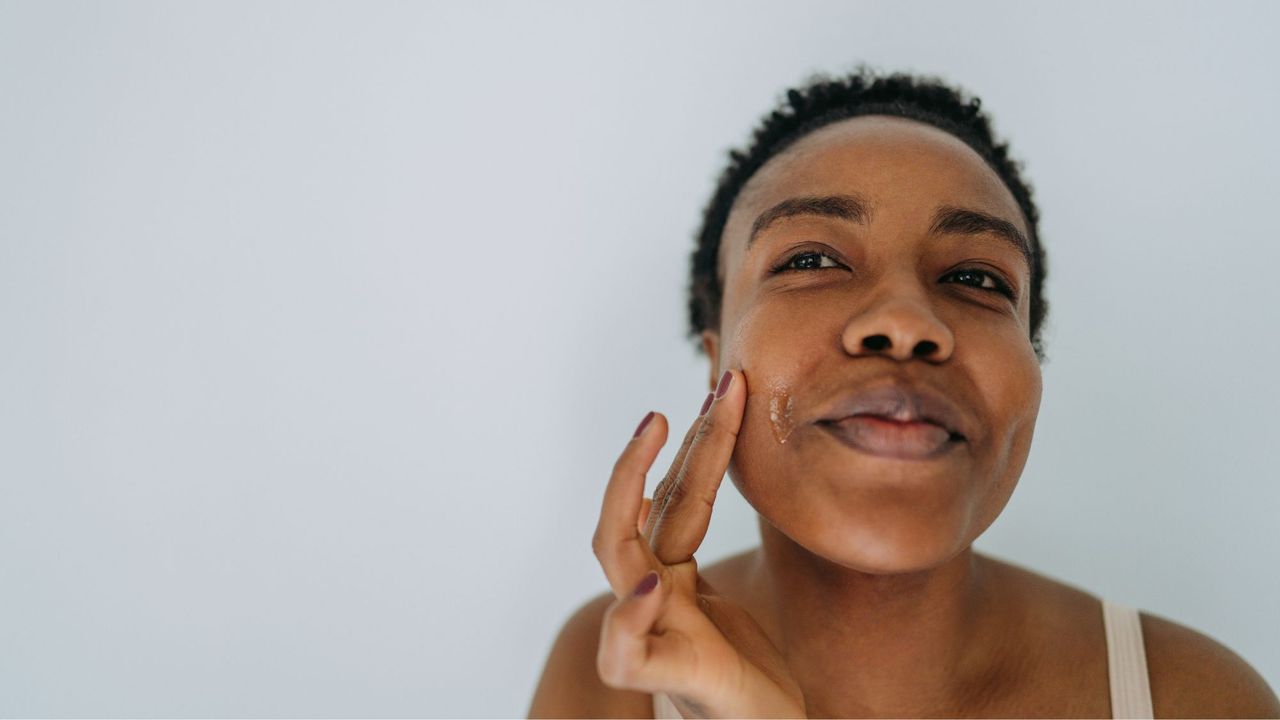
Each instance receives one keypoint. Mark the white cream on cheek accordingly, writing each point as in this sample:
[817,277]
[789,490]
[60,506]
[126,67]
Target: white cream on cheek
[781,405]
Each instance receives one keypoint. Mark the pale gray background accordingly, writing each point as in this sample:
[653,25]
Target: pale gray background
[322,324]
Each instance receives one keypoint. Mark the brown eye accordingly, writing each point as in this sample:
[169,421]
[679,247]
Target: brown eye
[978,279]
[808,260]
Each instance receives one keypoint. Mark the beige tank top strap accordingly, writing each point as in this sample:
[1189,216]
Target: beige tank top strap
[1126,662]
[664,709]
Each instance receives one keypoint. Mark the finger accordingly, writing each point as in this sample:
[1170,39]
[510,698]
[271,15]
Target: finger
[661,491]
[630,655]
[686,513]
[649,643]
[623,553]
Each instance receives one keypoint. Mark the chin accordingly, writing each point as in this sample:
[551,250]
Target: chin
[884,540]
[867,514]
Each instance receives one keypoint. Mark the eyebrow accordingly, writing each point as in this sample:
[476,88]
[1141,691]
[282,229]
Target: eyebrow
[853,208]
[950,220]
[947,219]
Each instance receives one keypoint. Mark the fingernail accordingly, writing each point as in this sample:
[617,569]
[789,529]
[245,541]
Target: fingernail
[706,403]
[643,423]
[725,381]
[646,585]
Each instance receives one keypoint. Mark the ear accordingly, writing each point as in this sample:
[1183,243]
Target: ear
[711,346]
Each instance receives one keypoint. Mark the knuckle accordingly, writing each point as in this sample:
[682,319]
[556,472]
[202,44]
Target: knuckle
[682,495]
[679,488]
[710,426]
[667,481]
[660,489]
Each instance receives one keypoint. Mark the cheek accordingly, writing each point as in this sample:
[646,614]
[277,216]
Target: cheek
[761,350]
[1011,378]
[1014,386]
[776,338]
[777,355]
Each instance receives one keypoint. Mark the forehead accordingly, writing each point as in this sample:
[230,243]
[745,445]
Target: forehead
[904,167]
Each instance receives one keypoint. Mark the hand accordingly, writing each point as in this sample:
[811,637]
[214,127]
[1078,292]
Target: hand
[682,638]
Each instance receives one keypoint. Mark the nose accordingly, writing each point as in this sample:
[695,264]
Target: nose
[901,327]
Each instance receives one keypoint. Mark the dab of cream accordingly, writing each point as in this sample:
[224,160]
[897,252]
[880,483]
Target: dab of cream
[781,405]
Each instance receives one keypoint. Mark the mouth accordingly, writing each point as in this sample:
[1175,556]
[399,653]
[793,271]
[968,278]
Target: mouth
[887,437]
[897,419]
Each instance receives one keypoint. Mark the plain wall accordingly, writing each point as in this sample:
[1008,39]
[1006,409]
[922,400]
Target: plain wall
[322,324]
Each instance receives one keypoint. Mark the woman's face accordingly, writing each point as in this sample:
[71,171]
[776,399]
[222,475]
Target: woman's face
[877,293]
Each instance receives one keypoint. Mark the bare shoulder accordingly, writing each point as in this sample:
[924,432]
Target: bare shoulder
[570,686]
[1193,675]
[1190,673]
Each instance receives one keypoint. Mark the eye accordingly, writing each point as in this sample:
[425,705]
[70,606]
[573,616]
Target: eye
[807,260]
[982,276]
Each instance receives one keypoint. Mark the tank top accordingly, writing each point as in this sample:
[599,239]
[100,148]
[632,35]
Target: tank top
[1126,668]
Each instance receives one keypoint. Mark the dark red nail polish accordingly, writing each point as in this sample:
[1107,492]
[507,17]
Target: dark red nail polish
[643,424]
[706,404]
[725,381]
[646,585]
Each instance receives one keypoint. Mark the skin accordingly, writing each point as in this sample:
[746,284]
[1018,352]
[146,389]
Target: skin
[877,550]
[865,597]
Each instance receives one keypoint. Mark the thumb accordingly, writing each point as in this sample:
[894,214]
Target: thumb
[623,657]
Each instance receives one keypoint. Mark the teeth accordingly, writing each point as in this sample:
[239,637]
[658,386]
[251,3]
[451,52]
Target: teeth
[902,417]
[897,417]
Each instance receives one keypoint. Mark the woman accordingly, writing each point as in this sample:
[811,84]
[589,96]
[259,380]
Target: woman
[867,289]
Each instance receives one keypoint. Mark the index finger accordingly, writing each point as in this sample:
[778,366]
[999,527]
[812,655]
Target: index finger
[683,519]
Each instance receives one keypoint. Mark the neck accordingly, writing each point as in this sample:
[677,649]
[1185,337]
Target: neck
[905,645]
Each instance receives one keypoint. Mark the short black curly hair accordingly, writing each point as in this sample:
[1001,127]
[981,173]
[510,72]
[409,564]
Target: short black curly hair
[823,100]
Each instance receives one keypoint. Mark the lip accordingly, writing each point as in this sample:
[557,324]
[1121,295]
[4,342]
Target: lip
[896,419]
[889,438]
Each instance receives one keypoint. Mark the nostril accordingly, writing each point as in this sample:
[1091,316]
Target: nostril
[875,342]
[926,347]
